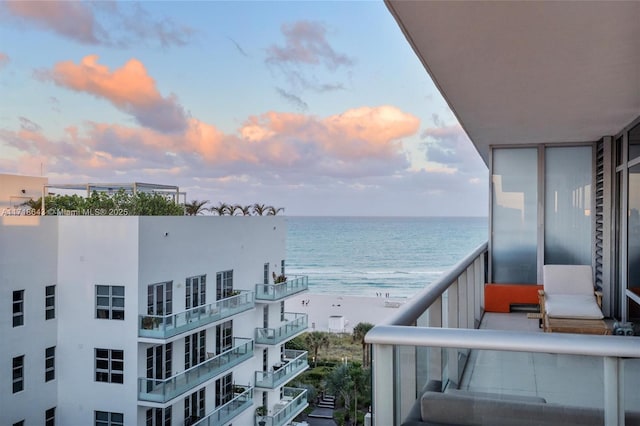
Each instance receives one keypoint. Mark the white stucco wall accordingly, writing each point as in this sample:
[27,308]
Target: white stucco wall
[76,253]
[11,187]
[96,250]
[27,262]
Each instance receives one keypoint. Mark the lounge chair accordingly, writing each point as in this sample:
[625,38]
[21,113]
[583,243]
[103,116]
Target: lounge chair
[569,302]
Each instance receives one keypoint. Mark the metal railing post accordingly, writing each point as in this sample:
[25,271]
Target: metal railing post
[613,391]
[383,386]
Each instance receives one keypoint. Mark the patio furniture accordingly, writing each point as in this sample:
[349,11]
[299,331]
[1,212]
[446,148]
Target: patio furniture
[569,302]
[461,407]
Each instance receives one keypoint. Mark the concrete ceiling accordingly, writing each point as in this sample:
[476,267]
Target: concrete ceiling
[530,72]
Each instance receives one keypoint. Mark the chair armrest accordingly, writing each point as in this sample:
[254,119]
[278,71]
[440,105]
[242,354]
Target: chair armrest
[599,298]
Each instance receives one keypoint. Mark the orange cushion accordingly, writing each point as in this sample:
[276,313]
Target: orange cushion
[500,297]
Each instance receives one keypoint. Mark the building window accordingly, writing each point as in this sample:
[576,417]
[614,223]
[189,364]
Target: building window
[194,407]
[194,349]
[18,308]
[50,417]
[282,311]
[224,284]
[109,365]
[50,302]
[224,390]
[282,267]
[18,373]
[196,293]
[224,337]
[110,302]
[50,364]
[104,418]
[159,417]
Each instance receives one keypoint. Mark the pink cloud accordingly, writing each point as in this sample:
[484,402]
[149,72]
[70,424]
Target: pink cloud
[361,141]
[105,23]
[306,42]
[73,19]
[129,88]
[4,60]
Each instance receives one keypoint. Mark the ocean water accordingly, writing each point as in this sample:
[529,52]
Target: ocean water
[363,256]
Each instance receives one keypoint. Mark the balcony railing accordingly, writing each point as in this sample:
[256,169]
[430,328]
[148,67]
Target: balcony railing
[294,323]
[274,292]
[293,402]
[433,336]
[294,362]
[228,411]
[163,327]
[156,390]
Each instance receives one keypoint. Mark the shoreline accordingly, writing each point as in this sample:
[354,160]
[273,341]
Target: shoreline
[340,313]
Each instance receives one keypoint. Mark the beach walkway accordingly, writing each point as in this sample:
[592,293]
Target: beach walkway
[322,415]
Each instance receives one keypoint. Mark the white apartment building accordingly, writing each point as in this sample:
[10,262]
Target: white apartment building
[147,320]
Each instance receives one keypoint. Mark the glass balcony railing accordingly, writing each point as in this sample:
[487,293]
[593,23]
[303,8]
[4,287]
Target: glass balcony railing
[156,390]
[431,349]
[293,402]
[228,411]
[274,292]
[165,326]
[293,324]
[294,362]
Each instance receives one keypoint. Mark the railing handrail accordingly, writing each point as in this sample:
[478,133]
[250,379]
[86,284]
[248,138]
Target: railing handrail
[418,304]
[289,278]
[197,308]
[298,317]
[506,340]
[223,406]
[213,358]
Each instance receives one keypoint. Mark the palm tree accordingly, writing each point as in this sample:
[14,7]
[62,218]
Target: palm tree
[221,209]
[315,340]
[195,207]
[231,209]
[359,331]
[259,209]
[246,210]
[272,211]
[339,382]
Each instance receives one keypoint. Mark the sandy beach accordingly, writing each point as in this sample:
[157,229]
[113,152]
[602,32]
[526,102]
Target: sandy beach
[337,313]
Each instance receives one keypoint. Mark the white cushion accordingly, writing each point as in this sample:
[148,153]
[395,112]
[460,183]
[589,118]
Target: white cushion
[570,306]
[567,279]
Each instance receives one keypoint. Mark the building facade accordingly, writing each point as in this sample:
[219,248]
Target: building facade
[147,320]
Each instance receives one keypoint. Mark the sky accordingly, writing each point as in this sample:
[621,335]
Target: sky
[319,107]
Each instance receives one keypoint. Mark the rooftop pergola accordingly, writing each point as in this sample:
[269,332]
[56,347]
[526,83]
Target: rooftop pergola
[112,188]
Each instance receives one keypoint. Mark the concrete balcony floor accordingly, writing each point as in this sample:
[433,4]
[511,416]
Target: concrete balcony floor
[563,379]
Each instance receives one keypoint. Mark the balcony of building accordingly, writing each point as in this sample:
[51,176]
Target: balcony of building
[280,291]
[442,357]
[162,391]
[170,325]
[227,412]
[293,402]
[292,364]
[293,324]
